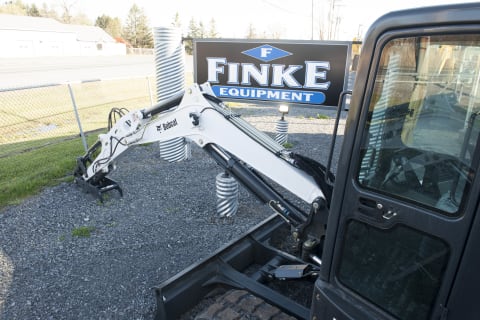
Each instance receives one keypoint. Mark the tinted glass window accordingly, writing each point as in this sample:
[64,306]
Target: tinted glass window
[399,269]
[423,122]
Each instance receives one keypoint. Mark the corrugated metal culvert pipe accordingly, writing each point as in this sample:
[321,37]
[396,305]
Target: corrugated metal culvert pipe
[170,77]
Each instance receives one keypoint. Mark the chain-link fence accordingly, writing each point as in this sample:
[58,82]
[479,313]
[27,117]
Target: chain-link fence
[34,116]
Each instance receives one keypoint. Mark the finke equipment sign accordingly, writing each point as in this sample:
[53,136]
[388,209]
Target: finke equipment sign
[292,72]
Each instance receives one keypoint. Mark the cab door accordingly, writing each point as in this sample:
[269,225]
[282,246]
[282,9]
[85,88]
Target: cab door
[406,190]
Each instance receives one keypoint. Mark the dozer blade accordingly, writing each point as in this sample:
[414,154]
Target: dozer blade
[246,265]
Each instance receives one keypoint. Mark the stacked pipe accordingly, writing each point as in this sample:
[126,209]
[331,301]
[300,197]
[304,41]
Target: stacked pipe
[227,195]
[170,78]
[281,129]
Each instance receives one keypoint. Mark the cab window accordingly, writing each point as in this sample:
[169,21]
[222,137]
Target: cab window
[423,122]
[398,269]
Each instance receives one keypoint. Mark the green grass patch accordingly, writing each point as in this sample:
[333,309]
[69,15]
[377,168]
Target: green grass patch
[322,116]
[319,116]
[25,174]
[288,145]
[19,147]
[83,232]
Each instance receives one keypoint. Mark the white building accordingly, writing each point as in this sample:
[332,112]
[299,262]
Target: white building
[24,36]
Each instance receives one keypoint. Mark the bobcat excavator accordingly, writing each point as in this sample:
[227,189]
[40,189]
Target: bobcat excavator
[392,236]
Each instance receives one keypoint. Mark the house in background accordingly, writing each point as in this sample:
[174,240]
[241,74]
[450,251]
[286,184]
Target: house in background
[25,36]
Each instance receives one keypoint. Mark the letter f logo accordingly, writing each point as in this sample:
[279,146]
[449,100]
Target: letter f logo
[265,51]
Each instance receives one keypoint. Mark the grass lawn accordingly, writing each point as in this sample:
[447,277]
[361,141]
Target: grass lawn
[25,174]
[33,122]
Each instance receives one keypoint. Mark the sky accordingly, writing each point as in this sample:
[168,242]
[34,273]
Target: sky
[293,19]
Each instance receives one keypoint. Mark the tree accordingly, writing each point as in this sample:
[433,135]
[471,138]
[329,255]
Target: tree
[251,32]
[201,30]
[33,11]
[103,21]
[81,18]
[136,30]
[193,29]
[13,7]
[48,12]
[66,7]
[176,23]
[276,33]
[193,32]
[212,30]
[112,26]
[198,30]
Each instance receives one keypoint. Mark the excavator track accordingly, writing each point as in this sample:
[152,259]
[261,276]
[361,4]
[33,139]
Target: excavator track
[239,305]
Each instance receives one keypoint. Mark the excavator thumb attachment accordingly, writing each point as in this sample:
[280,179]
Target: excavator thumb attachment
[99,184]
[100,187]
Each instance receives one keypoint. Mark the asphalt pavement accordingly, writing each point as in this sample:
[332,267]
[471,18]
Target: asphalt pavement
[24,72]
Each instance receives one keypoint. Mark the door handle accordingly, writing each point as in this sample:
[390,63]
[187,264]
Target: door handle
[376,209]
[389,215]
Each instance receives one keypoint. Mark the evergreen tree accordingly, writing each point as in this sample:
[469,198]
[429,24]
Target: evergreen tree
[193,29]
[198,31]
[103,21]
[201,30]
[176,23]
[33,11]
[212,31]
[137,31]
[112,26]
[193,32]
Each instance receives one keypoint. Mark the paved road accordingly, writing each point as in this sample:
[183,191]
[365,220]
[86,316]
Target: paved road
[21,72]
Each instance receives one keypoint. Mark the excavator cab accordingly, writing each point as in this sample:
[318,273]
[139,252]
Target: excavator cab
[403,226]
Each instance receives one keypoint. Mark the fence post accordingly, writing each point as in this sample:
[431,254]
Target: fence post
[150,91]
[77,116]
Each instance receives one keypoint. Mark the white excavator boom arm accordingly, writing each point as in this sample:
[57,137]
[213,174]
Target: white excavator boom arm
[200,117]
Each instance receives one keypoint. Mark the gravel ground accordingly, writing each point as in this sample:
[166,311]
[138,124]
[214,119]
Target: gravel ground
[165,221]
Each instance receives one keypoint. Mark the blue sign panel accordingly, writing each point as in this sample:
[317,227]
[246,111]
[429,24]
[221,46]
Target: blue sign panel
[277,95]
[273,71]
[266,53]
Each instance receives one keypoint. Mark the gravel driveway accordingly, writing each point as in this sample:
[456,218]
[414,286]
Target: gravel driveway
[165,221]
